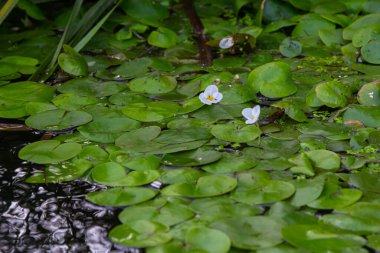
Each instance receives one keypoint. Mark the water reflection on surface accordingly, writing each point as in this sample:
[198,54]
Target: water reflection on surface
[48,218]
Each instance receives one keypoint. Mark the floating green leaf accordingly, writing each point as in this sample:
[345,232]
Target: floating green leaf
[72,62]
[273,80]
[366,115]
[153,85]
[140,234]
[290,48]
[91,87]
[251,233]
[151,111]
[369,94]
[202,239]
[317,238]
[205,186]
[192,158]
[171,213]
[57,119]
[324,159]
[49,151]
[163,37]
[121,196]
[235,133]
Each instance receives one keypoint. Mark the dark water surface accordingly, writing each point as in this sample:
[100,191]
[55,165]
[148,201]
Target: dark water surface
[52,218]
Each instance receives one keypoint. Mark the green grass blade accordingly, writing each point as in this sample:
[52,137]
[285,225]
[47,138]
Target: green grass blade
[88,20]
[47,67]
[82,43]
[6,9]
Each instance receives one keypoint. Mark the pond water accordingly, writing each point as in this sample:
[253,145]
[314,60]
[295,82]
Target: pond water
[48,218]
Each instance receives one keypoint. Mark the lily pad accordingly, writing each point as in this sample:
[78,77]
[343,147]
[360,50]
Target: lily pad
[72,62]
[235,133]
[230,163]
[153,85]
[169,214]
[57,119]
[106,130]
[271,191]
[290,48]
[369,94]
[317,238]
[366,115]
[370,52]
[138,136]
[273,80]
[140,234]
[191,158]
[163,37]
[360,23]
[73,102]
[180,175]
[113,174]
[121,196]
[333,93]
[205,186]
[57,173]
[251,233]
[202,239]
[324,159]
[27,91]
[49,151]
[91,87]
[307,190]
[151,111]
[361,225]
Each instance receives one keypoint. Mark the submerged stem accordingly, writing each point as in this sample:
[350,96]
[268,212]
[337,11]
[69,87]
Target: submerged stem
[205,56]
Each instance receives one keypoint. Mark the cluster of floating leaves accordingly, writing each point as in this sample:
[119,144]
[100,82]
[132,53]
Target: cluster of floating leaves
[182,153]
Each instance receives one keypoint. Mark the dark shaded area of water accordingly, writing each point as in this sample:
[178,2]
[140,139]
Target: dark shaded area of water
[48,218]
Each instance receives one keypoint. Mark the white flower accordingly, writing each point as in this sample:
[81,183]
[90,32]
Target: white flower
[251,114]
[226,42]
[211,95]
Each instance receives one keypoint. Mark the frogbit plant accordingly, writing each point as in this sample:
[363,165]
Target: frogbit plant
[251,114]
[211,95]
[226,42]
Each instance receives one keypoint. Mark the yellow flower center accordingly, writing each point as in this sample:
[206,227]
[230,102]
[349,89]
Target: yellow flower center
[210,98]
[253,117]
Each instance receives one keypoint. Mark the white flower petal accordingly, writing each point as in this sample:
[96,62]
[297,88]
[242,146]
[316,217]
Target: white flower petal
[218,97]
[256,111]
[203,99]
[211,89]
[250,121]
[226,42]
[247,113]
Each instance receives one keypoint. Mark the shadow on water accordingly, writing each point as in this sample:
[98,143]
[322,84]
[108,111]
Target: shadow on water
[48,218]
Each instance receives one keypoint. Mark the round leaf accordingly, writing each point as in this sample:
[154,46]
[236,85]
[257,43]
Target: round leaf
[153,85]
[140,234]
[369,94]
[290,48]
[49,151]
[163,37]
[72,62]
[324,159]
[320,239]
[371,52]
[235,133]
[121,196]
[207,240]
[273,80]
[251,233]
[205,186]
[91,87]
[152,111]
[191,158]
[57,119]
